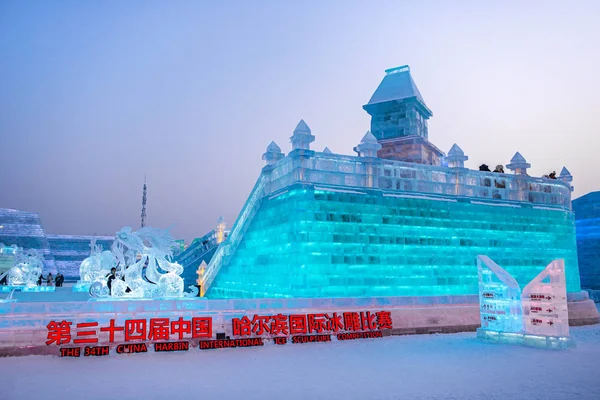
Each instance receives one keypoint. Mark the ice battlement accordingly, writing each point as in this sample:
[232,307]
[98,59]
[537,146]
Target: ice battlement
[403,177]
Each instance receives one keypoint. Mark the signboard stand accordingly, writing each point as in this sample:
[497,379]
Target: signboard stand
[535,317]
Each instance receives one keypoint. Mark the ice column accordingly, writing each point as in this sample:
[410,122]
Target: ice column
[368,148]
[301,140]
[200,271]
[271,156]
[520,187]
[566,176]
[220,231]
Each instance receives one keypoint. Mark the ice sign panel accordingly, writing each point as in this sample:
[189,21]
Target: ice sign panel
[545,302]
[500,298]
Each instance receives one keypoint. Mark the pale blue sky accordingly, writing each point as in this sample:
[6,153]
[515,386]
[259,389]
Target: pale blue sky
[95,94]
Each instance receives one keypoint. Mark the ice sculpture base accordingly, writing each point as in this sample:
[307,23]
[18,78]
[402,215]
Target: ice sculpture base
[10,288]
[82,286]
[523,339]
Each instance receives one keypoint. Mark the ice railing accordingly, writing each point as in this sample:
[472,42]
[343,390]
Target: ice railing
[228,247]
[197,249]
[341,170]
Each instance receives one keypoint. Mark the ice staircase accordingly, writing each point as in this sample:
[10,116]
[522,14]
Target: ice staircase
[228,247]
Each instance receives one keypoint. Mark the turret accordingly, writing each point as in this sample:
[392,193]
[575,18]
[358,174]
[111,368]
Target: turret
[368,146]
[273,154]
[302,137]
[518,164]
[456,157]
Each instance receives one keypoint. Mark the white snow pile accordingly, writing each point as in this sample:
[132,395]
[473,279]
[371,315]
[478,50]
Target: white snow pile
[454,366]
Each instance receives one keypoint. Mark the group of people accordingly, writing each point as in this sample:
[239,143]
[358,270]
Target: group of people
[498,169]
[50,280]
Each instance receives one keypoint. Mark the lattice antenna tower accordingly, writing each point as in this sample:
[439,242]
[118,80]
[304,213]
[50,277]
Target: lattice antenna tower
[144,203]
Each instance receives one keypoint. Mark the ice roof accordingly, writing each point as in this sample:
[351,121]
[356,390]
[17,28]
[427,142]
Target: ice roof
[396,85]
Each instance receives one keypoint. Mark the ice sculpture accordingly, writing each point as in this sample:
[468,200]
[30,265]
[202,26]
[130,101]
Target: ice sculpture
[97,265]
[143,267]
[27,267]
[537,316]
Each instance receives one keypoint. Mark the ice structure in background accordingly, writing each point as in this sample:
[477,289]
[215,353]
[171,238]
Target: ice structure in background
[144,268]
[25,271]
[62,253]
[537,316]
[587,221]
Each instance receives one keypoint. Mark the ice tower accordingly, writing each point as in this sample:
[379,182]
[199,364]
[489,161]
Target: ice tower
[399,119]
[389,221]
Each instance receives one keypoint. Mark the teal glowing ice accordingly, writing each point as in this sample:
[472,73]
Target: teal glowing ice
[587,215]
[319,243]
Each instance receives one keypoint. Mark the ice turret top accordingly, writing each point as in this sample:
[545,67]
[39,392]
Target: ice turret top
[397,84]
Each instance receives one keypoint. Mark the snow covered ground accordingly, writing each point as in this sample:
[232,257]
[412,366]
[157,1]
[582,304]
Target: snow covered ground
[400,367]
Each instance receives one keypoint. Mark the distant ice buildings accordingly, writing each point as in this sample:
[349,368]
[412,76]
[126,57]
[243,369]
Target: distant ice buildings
[62,253]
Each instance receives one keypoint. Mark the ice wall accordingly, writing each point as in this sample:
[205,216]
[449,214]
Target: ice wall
[312,241]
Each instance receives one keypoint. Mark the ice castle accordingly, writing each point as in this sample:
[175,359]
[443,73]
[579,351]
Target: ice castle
[400,218]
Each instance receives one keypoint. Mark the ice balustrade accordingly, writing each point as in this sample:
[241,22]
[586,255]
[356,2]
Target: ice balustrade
[342,170]
[228,247]
[194,253]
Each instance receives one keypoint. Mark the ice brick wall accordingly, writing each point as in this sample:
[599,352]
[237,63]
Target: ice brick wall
[309,242]
[587,215]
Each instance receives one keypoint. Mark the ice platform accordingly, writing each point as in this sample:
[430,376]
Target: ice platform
[21,288]
[524,339]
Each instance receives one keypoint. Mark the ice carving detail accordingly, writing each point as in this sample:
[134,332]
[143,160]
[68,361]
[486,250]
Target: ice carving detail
[143,266]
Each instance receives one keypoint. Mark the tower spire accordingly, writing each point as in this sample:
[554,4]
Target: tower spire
[144,203]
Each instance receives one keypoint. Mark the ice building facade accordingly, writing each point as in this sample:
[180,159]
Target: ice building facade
[587,221]
[62,253]
[401,218]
